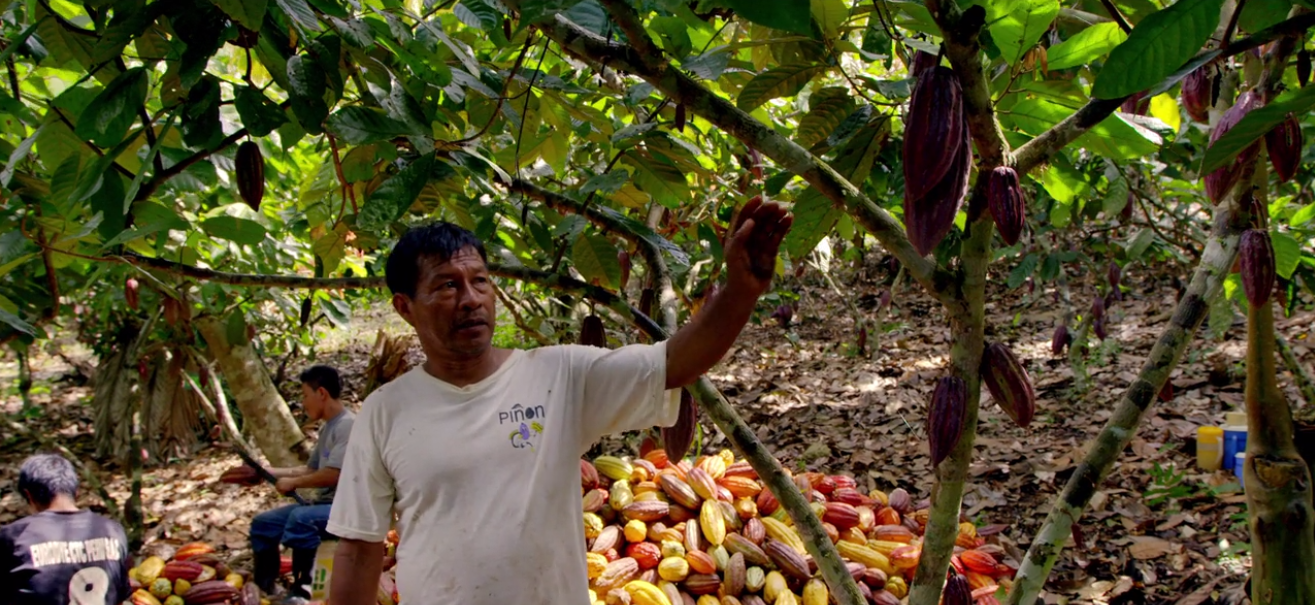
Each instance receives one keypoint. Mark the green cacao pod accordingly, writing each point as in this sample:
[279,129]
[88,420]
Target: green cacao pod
[945,417]
[1009,383]
[592,333]
[1283,143]
[1258,274]
[1219,182]
[249,171]
[1008,208]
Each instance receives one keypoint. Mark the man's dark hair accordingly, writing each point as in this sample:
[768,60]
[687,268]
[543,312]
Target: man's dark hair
[44,476]
[322,376]
[440,239]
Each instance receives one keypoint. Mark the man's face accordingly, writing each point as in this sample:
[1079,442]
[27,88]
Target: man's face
[453,308]
[313,401]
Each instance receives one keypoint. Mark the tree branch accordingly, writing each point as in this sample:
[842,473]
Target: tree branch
[755,134]
[1117,16]
[149,187]
[625,18]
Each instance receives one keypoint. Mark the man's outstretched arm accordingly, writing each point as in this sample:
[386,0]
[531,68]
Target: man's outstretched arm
[750,264]
[357,565]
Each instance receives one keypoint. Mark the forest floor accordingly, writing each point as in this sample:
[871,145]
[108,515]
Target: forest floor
[1159,530]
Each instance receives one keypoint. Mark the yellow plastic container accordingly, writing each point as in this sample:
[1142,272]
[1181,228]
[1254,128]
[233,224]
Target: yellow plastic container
[1209,448]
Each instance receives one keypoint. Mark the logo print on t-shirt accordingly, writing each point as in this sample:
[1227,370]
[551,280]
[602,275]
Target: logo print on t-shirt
[525,419]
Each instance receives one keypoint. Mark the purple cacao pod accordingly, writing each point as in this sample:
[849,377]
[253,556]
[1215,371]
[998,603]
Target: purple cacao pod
[1258,274]
[1221,181]
[945,417]
[1008,208]
[1059,341]
[1009,383]
[1197,94]
[1283,143]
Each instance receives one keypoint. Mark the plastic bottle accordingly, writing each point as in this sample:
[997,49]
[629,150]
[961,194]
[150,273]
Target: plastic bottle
[1209,448]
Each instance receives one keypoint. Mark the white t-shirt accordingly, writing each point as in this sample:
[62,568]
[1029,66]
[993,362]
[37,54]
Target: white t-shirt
[485,479]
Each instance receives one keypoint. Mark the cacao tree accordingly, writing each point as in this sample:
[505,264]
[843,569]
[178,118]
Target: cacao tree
[235,170]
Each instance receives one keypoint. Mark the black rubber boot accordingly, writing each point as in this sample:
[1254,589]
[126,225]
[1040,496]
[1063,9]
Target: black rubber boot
[303,561]
[265,569]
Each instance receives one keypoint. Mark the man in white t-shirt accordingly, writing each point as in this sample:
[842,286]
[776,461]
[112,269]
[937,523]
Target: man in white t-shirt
[477,449]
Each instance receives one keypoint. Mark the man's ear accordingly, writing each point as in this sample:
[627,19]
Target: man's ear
[402,304]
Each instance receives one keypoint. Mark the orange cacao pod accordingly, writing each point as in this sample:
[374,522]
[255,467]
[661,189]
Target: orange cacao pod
[181,570]
[700,562]
[978,561]
[646,554]
[739,486]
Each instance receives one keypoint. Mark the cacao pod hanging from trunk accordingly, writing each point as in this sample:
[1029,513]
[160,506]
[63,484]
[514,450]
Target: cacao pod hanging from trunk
[1114,274]
[623,259]
[1283,143]
[1060,340]
[937,156]
[1009,383]
[1008,208]
[130,292]
[249,171]
[646,301]
[677,438]
[1137,104]
[1258,273]
[1126,214]
[1221,181]
[592,333]
[1197,94]
[945,417]
[922,61]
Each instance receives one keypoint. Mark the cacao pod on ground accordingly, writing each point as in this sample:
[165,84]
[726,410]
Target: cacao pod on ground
[1197,94]
[783,314]
[1009,383]
[945,418]
[1221,181]
[1258,273]
[592,333]
[1008,208]
[1283,143]
[249,171]
[957,591]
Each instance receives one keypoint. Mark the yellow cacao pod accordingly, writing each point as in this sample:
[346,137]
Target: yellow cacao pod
[673,569]
[149,570]
[895,585]
[174,600]
[672,548]
[774,586]
[636,531]
[786,598]
[783,533]
[714,466]
[181,586]
[708,599]
[815,592]
[596,563]
[161,588]
[621,495]
[143,597]
[614,468]
[593,525]
[645,593]
[728,457]
[754,579]
[864,555]
[885,547]
[712,522]
[234,580]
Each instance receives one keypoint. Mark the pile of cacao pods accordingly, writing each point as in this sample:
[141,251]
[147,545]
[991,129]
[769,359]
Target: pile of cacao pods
[706,531]
[195,575]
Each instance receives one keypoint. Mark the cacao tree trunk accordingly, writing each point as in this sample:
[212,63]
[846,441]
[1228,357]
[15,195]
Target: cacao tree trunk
[115,398]
[266,416]
[1276,479]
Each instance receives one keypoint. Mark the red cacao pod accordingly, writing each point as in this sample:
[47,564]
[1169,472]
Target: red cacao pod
[922,61]
[1283,143]
[1221,181]
[1137,104]
[1008,208]
[945,417]
[1197,94]
[623,259]
[677,438]
[1258,275]
[249,172]
[1009,383]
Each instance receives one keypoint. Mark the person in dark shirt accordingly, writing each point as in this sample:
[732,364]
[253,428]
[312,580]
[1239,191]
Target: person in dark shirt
[61,555]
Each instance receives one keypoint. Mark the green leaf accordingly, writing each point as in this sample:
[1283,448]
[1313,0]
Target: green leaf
[1259,14]
[332,248]
[1287,253]
[1221,314]
[829,107]
[17,323]
[235,229]
[259,114]
[108,201]
[1017,25]
[201,126]
[1139,243]
[1085,46]
[594,257]
[657,177]
[535,11]
[306,79]
[395,195]
[1114,137]
[673,35]
[1024,270]
[814,217]
[1116,198]
[1157,47]
[1254,125]
[249,13]
[106,119]
[606,184]
[301,13]
[829,14]
[783,81]
[786,15]
[1303,216]
[360,125]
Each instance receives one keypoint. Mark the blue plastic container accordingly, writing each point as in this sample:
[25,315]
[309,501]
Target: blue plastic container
[1239,463]
[1235,438]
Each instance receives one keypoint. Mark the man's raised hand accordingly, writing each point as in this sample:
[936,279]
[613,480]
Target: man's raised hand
[756,240]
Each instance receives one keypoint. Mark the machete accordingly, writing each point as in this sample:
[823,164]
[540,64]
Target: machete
[267,475]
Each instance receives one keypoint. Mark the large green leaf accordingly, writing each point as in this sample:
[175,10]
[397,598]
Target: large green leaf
[594,257]
[306,78]
[829,107]
[1287,253]
[395,195]
[1017,25]
[106,119]
[1255,124]
[17,323]
[783,81]
[1303,216]
[1259,14]
[247,12]
[360,125]
[1085,46]
[301,13]
[814,217]
[657,177]
[1114,137]
[1157,47]
[829,14]
[259,114]
[786,15]
[235,229]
